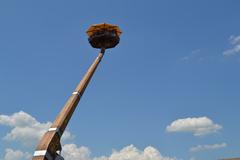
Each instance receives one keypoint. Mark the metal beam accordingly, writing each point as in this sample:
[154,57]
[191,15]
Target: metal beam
[50,144]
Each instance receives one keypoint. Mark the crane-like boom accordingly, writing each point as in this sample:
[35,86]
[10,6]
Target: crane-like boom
[101,36]
[49,146]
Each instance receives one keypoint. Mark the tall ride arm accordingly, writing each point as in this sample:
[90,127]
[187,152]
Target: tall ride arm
[49,146]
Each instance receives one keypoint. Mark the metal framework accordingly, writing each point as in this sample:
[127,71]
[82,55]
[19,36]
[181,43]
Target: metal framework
[49,147]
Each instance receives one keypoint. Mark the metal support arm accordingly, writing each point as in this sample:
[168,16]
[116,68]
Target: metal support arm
[50,145]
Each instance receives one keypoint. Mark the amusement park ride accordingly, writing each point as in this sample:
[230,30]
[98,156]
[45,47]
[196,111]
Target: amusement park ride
[102,36]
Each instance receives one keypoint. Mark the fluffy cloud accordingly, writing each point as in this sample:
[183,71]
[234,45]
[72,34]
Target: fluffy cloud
[207,147]
[132,153]
[71,151]
[235,42]
[25,128]
[198,126]
[11,154]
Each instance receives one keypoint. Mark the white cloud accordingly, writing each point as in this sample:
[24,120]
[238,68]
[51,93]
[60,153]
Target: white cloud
[11,154]
[207,147]
[194,55]
[185,58]
[132,153]
[235,42]
[25,128]
[71,151]
[198,126]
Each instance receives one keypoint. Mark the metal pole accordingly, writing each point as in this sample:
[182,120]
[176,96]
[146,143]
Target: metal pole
[49,146]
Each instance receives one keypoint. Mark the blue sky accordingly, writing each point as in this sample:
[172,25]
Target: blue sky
[175,60]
